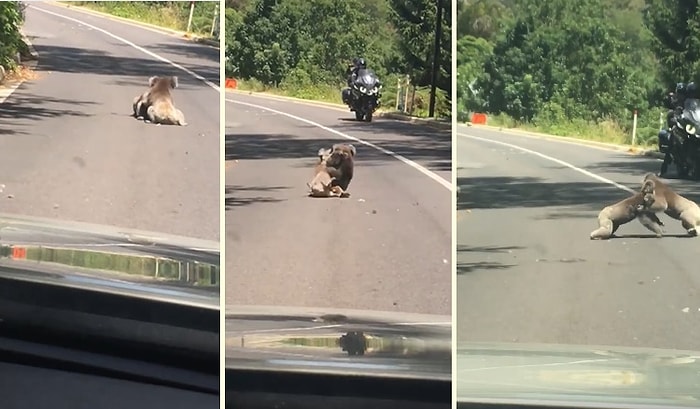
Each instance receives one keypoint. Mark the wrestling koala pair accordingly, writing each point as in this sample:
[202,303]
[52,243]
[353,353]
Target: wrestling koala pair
[156,104]
[654,197]
[333,172]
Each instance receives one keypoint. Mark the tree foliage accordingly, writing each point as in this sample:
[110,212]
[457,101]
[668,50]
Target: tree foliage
[585,61]
[11,17]
[304,43]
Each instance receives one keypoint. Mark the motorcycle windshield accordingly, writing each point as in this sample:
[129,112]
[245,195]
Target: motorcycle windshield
[367,78]
[691,110]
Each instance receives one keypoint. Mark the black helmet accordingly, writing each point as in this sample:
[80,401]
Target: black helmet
[361,63]
[691,88]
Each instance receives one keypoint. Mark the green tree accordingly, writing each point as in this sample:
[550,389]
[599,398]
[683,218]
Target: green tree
[675,26]
[415,22]
[11,18]
[562,59]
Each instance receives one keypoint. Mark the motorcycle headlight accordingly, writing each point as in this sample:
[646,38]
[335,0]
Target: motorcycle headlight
[690,129]
[363,89]
[374,90]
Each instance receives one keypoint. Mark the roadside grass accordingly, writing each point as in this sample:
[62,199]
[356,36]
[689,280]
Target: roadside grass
[604,131]
[331,94]
[171,15]
[21,73]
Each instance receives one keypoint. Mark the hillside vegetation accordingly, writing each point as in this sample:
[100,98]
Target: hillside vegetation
[575,68]
[301,48]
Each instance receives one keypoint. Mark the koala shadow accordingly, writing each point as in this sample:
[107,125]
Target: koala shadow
[650,236]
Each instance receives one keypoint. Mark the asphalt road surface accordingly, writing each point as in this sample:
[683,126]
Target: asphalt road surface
[527,270]
[69,148]
[387,247]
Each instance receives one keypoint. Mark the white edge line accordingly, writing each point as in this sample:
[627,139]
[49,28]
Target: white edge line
[555,160]
[127,42]
[559,139]
[403,159]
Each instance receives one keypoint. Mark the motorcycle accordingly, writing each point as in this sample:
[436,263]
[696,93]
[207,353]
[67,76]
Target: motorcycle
[364,97]
[681,143]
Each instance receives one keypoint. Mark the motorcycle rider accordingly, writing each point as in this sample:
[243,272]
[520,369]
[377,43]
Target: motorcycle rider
[674,102]
[358,63]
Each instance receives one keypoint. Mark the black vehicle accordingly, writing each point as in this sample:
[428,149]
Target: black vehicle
[364,94]
[681,142]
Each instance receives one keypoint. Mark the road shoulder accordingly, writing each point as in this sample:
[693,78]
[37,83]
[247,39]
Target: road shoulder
[632,150]
[152,27]
[10,86]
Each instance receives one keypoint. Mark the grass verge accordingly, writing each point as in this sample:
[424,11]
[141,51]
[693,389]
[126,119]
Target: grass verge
[604,131]
[171,15]
[331,94]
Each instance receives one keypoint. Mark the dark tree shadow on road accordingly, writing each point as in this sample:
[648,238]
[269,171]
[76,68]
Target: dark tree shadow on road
[510,192]
[88,61]
[277,146]
[649,236]
[28,106]
[421,143]
[237,196]
[189,50]
[210,73]
[627,164]
[640,165]
[472,266]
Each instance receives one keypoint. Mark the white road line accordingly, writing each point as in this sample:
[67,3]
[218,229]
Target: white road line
[551,159]
[394,155]
[129,43]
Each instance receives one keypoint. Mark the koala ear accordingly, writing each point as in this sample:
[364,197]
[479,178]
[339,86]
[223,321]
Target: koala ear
[174,81]
[323,152]
[152,80]
[352,150]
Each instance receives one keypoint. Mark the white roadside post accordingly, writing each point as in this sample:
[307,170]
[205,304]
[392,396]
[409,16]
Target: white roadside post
[634,128]
[189,21]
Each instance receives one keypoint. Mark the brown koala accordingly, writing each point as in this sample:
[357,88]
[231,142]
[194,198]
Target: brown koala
[156,104]
[673,204]
[341,164]
[636,206]
[321,184]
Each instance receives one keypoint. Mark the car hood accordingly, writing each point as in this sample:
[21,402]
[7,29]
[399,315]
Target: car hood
[103,258]
[323,340]
[581,376]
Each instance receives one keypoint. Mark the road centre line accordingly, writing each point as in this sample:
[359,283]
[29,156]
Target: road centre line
[129,43]
[394,155]
[552,159]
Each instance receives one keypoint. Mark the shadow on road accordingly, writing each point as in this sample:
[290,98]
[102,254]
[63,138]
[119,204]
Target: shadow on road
[88,61]
[510,192]
[274,146]
[29,106]
[211,73]
[649,236]
[642,165]
[240,196]
[431,147]
[190,50]
[468,267]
